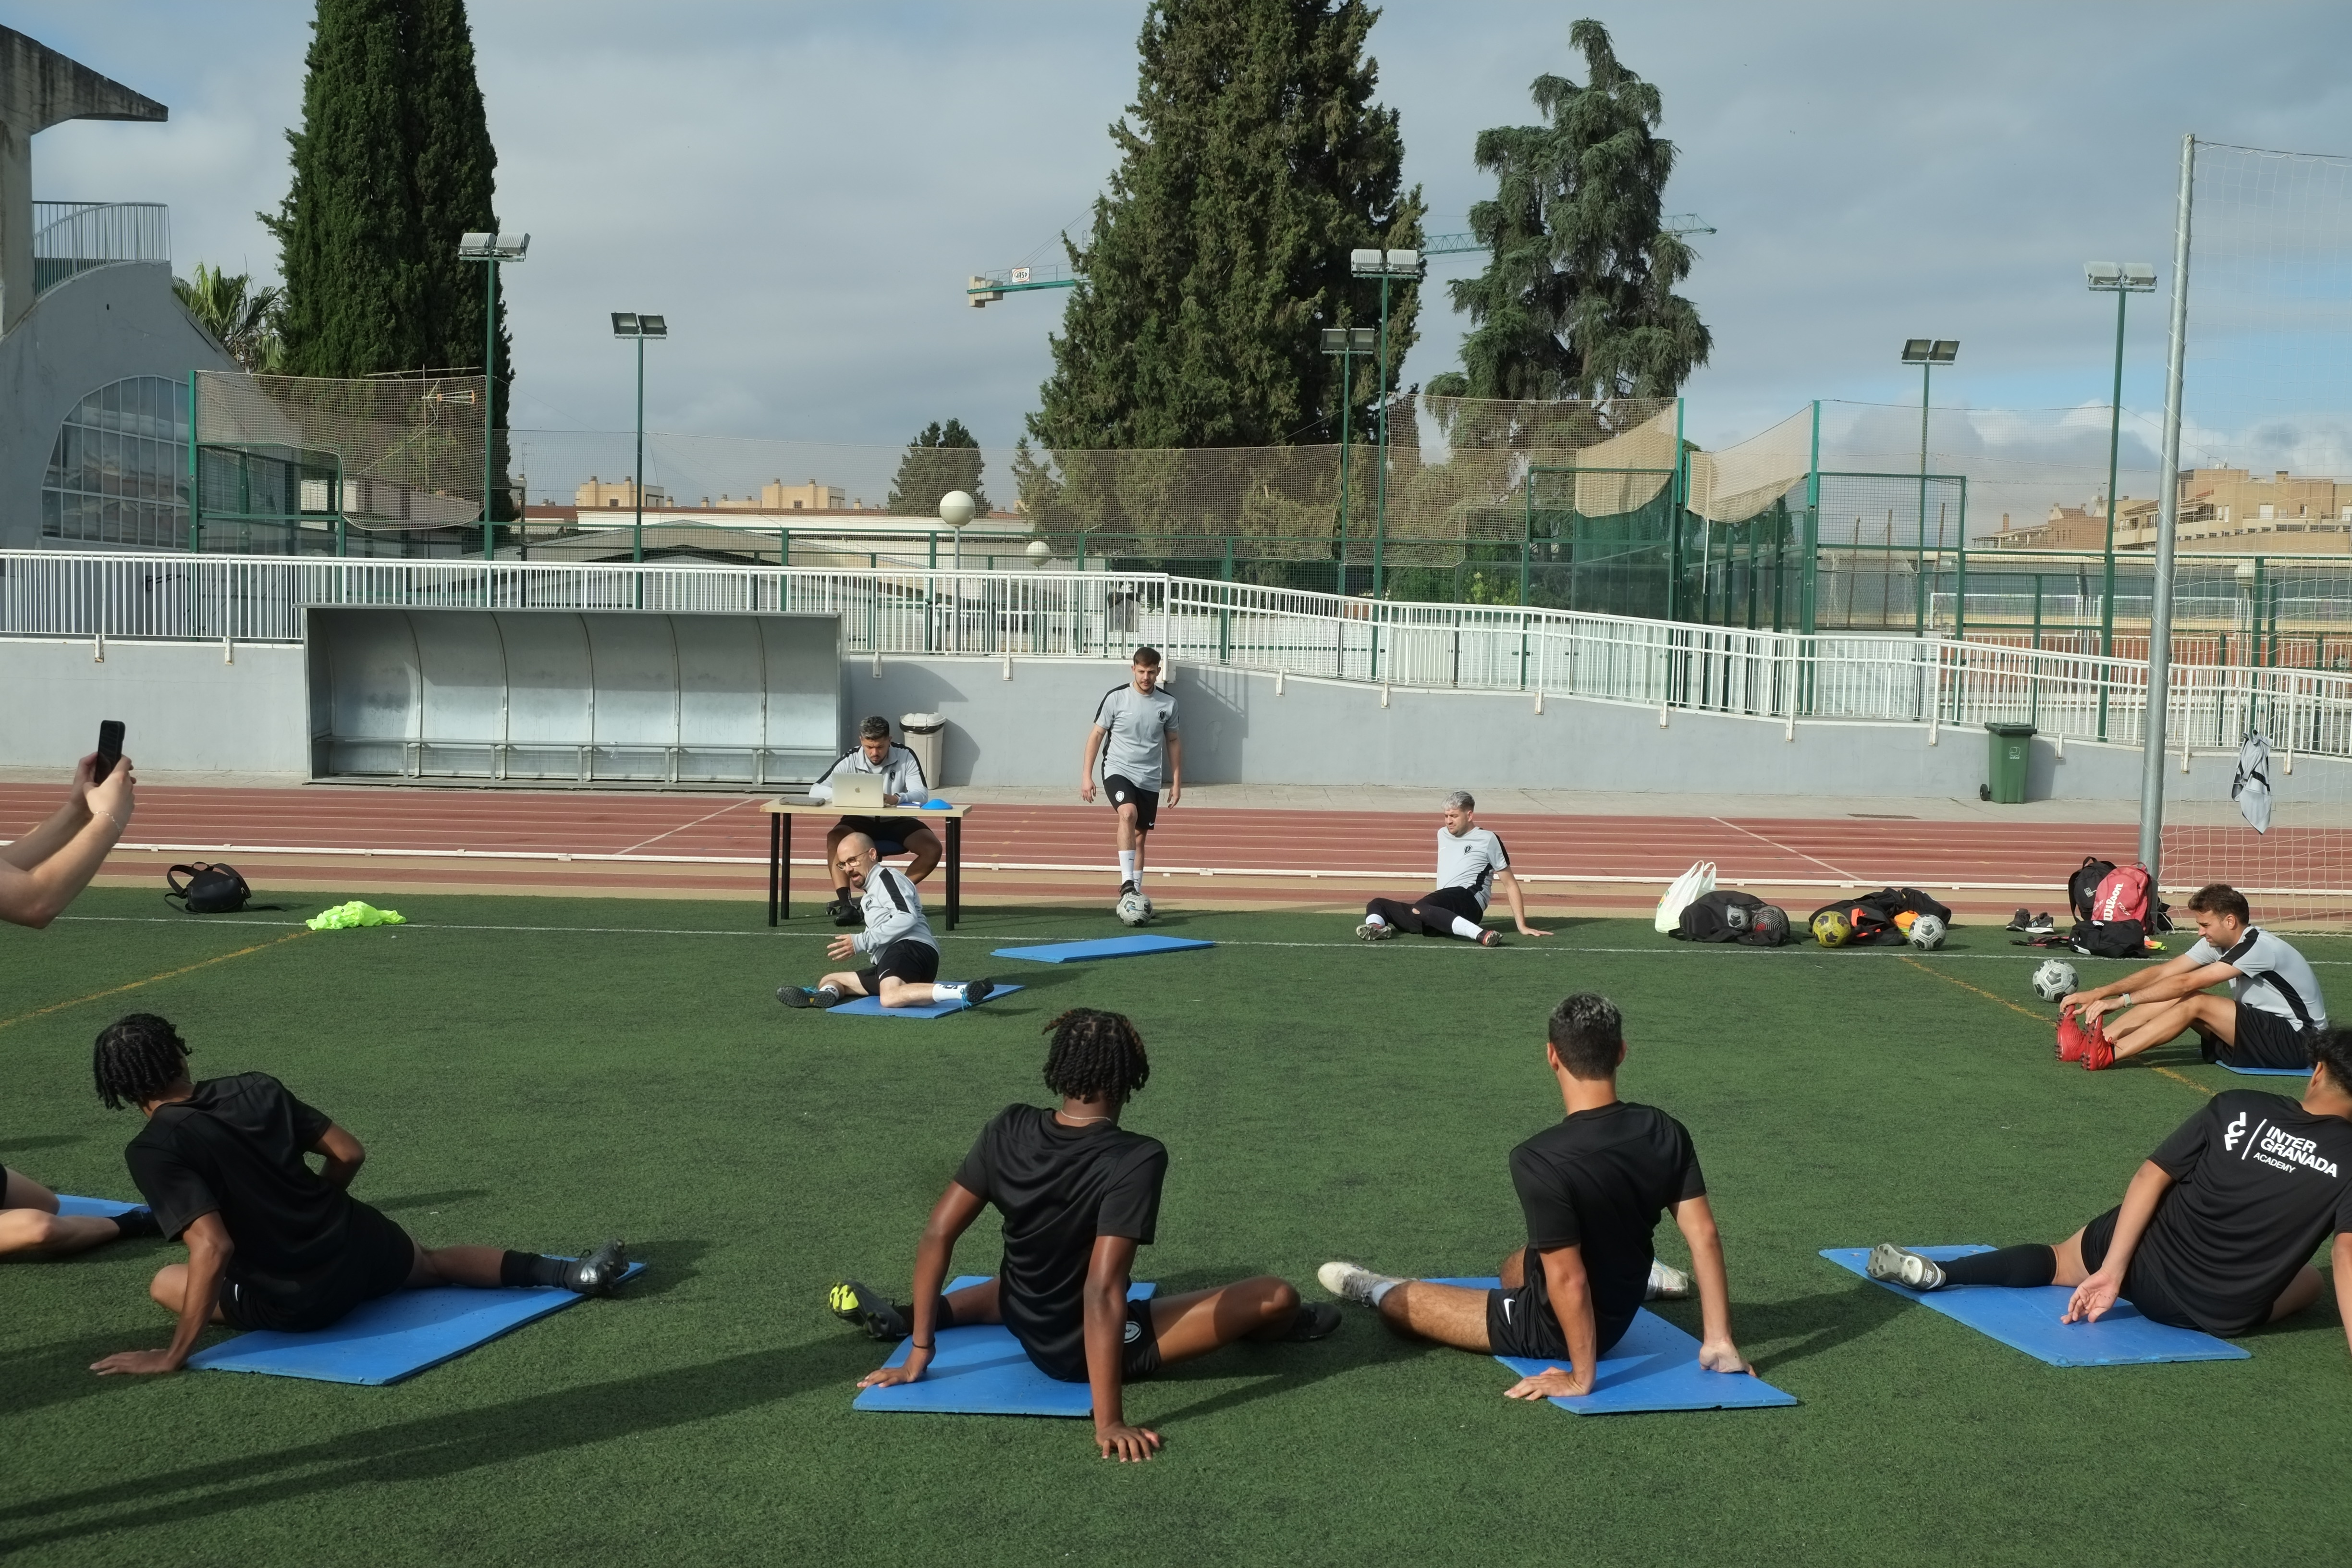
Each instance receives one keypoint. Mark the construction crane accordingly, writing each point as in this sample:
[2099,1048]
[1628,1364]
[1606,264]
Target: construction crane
[986,288]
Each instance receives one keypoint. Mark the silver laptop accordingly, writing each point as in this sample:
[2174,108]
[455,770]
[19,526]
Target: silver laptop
[857,789]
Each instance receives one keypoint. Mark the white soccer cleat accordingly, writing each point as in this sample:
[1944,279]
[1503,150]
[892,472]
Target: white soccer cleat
[1901,1266]
[1375,931]
[1352,1282]
[1668,1283]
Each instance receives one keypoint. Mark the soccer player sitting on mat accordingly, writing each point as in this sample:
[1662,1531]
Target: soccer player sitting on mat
[2269,1018]
[902,785]
[1078,1194]
[905,955]
[2217,1228]
[1470,861]
[1593,1189]
[273,1243]
[30,1224]
[1135,740]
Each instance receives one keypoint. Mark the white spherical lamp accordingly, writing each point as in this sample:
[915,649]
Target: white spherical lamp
[956,509]
[1039,552]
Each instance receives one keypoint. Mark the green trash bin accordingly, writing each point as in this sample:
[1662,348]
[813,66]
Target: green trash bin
[2011,748]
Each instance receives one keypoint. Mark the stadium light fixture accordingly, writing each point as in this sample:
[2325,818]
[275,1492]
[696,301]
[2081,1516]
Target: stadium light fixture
[637,326]
[491,248]
[1387,265]
[1926,354]
[2122,279]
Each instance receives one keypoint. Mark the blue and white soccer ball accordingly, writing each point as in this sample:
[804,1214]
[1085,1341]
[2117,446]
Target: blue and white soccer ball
[2055,980]
[1133,909]
[1927,934]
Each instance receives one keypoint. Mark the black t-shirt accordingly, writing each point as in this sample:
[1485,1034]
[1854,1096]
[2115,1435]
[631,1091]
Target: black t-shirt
[1597,1181]
[235,1148]
[1058,1189]
[2258,1183]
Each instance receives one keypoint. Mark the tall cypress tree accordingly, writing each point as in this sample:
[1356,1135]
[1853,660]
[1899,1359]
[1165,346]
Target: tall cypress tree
[939,459]
[392,164]
[1577,299]
[1256,159]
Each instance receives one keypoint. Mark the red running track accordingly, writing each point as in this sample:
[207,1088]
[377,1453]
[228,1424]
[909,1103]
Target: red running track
[653,829]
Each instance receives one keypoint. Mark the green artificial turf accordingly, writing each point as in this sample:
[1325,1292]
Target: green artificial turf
[541,1073]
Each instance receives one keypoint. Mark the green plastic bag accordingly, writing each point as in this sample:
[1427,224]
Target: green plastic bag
[346,916]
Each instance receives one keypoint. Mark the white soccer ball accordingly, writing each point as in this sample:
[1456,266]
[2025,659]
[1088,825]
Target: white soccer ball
[1132,909]
[2055,980]
[1926,933]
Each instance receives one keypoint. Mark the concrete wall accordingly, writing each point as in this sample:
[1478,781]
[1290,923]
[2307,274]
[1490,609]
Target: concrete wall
[1031,729]
[96,327]
[189,711]
[183,709]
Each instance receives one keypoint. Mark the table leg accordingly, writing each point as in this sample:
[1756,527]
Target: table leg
[785,882]
[775,854]
[955,869]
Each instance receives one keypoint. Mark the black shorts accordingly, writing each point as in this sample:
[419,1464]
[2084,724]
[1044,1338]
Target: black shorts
[1124,791]
[1139,1359]
[1519,1321]
[378,1257]
[917,962]
[2264,1040]
[2153,1303]
[890,833]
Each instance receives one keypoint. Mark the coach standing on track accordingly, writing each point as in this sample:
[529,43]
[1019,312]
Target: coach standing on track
[1135,739]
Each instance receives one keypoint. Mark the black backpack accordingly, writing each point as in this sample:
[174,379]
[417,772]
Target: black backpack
[2082,887]
[210,889]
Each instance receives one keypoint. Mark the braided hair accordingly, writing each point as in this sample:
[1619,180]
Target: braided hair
[137,1057]
[1096,1055]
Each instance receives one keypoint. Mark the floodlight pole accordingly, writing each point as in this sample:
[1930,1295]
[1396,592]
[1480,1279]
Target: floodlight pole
[2159,614]
[489,396]
[1381,501]
[1919,533]
[1347,397]
[2108,581]
[637,478]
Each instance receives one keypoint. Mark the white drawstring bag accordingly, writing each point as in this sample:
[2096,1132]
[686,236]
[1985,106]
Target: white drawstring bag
[1686,890]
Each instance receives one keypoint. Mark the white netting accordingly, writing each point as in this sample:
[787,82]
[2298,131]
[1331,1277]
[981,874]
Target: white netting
[408,447]
[1740,480]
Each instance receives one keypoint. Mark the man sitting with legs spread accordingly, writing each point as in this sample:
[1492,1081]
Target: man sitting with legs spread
[1470,861]
[1078,1194]
[273,1243]
[906,967]
[2217,1228]
[1136,742]
[31,1226]
[2269,1018]
[1593,1189]
[903,784]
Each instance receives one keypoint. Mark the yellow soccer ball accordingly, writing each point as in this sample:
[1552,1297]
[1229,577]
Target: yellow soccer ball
[1832,930]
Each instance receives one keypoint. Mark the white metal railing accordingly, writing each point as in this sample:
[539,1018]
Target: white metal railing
[74,237]
[1784,675]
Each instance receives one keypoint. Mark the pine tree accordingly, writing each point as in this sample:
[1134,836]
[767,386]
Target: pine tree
[1577,299]
[1256,161]
[941,458]
[393,164]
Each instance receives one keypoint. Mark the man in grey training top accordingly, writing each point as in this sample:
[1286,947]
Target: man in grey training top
[1135,740]
[1471,861]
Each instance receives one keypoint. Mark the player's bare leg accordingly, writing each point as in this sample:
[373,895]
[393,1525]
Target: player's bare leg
[2156,1022]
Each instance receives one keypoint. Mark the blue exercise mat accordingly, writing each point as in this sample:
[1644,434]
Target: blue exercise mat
[983,1370]
[101,1208]
[1654,1367]
[394,1336]
[2266,1072]
[2027,1319]
[1100,947]
[871,1007]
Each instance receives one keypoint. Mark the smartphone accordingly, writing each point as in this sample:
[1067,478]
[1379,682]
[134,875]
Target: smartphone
[109,748]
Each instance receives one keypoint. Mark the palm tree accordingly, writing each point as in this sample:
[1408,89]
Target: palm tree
[245,319]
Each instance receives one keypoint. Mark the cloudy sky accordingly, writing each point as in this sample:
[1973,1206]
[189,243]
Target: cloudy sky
[802,188]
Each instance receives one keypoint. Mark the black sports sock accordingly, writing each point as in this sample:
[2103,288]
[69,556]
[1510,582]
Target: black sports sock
[139,1222]
[2016,1267]
[531,1268]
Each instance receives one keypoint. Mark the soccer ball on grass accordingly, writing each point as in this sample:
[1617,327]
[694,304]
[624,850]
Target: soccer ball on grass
[2055,980]
[1133,909]
[1926,933]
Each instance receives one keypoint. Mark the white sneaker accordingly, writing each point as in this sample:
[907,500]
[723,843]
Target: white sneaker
[1352,1282]
[1901,1266]
[1375,931]
[1667,1282]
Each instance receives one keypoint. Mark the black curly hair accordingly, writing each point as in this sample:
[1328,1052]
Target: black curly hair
[1096,1055]
[2333,1050]
[1588,1032]
[137,1057]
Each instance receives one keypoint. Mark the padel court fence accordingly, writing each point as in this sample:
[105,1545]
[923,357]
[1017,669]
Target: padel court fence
[1665,665]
